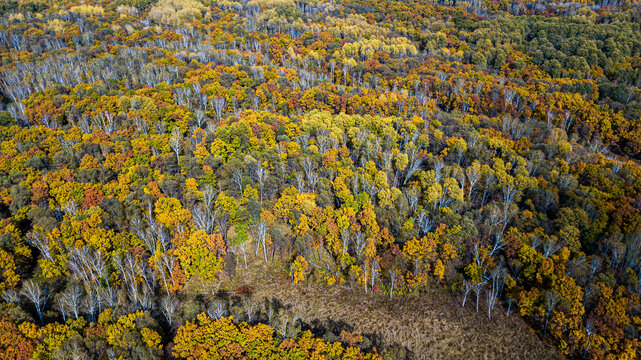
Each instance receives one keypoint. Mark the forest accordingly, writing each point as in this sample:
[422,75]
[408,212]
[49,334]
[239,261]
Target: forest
[179,178]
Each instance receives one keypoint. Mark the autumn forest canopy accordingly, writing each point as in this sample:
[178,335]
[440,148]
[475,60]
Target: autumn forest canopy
[175,174]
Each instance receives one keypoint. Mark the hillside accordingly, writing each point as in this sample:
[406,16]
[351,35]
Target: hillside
[201,179]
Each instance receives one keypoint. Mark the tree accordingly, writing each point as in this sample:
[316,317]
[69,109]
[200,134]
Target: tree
[203,255]
[478,290]
[37,294]
[168,305]
[497,278]
[8,276]
[261,231]
[71,300]
[299,269]
[175,141]
[170,213]
[219,104]
[13,344]
[226,211]
[551,299]
[467,287]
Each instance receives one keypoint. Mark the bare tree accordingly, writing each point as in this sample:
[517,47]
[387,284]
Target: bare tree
[108,298]
[209,196]
[359,242]
[146,300]
[219,104]
[309,167]
[62,309]
[261,175]
[551,299]
[425,222]
[237,178]
[392,276]
[88,266]
[126,265]
[473,173]
[285,324]
[203,218]
[168,306]
[72,300]
[467,287]
[217,309]
[199,115]
[300,181]
[595,266]
[370,187]
[551,245]
[497,281]
[510,301]
[633,251]
[414,164]
[141,124]
[509,193]
[589,330]
[412,194]
[509,95]
[37,294]
[175,142]
[11,296]
[261,232]
[346,239]
[243,247]
[488,183]
[104,121]
[72,349]
[617,250]
[374,272]
[91,304]
[249,308]
[478,290]
[38,239]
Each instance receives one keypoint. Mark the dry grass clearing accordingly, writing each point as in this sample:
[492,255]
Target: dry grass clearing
[430,326]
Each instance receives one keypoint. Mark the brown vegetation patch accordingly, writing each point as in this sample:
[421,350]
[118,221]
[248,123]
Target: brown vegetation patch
[432,325]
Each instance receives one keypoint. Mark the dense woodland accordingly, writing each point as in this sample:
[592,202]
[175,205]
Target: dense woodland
[151,149]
